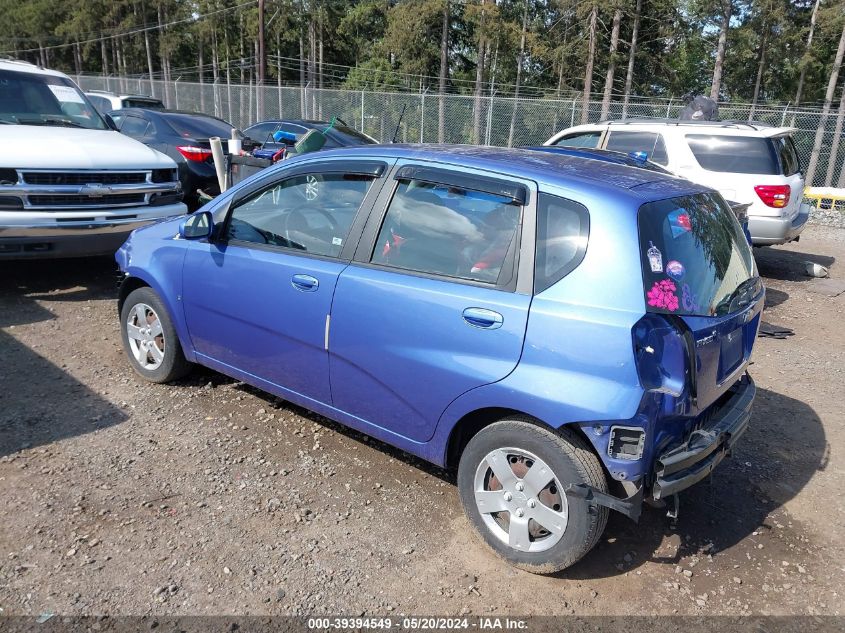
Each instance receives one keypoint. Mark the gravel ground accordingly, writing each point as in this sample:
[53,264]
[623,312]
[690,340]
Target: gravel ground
[209,497]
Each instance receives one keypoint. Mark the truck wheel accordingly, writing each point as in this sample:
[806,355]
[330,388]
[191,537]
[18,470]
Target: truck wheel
[149,338]
[512,478]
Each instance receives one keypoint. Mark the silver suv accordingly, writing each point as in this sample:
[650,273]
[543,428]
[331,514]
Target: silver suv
[747,162]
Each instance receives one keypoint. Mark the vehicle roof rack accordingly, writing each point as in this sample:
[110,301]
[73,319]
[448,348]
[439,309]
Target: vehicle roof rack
[754,125]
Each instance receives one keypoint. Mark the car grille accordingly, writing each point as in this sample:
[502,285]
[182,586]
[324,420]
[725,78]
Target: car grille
[63,200]
[83,178]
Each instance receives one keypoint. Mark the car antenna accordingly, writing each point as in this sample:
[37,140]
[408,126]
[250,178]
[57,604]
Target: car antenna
[398,123]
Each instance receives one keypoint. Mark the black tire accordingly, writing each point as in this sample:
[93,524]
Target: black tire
[173,365]
[571,462]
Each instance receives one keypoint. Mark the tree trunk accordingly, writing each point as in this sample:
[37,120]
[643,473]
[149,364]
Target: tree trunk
[479,80]
[302,100]
[761,65]
[519,61]
[611,65]
[831,90]
[588,71]
[105,62]
[320,62]
[806,57]
[629,76]
[716,86]
[444,67]
[215,73]
[77,60]
[834,146]
[279,70]
[149,52]
[201,62]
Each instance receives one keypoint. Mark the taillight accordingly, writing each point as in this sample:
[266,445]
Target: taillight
[662,355]
[198,154]
[776,196]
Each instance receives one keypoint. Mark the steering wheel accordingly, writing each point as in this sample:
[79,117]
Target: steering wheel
[301,217]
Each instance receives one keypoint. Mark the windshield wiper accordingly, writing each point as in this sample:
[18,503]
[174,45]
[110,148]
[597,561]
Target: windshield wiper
[51,120]
[741,295]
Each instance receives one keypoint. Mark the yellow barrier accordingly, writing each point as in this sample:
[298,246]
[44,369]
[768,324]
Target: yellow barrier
[825,198]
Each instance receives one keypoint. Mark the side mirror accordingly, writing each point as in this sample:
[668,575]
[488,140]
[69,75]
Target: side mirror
[196,226]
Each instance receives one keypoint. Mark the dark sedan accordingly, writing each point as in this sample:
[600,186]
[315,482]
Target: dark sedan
[184,136]
[337,135]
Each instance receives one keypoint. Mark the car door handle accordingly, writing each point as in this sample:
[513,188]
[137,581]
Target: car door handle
[305,283]
[483,318]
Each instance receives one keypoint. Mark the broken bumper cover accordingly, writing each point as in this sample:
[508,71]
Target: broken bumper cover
[692,461]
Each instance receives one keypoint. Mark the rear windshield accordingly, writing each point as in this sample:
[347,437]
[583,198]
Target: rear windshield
[198,126]
[734,154]
[141,102]
[695,258]
[345,136]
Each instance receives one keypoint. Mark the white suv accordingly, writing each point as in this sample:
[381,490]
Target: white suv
[746,162]
[70,185]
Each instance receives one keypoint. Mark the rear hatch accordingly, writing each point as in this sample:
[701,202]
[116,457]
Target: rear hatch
[698,271]
[763,169]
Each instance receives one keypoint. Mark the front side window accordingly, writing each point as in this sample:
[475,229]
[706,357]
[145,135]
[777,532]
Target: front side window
[633,142]
[584,139]
[36,99]
[311,213]
[562,229]
[734,154]
[447,230]
[696,260]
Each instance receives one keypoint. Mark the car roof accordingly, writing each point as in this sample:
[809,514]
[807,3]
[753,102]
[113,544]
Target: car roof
[607,155]
[16,65]
[726,128]
[552,169]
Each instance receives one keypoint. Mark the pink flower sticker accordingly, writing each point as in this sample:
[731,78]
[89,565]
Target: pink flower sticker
[662,295]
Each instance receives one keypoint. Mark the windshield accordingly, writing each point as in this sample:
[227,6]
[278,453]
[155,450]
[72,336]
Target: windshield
[31,99]
[696,260]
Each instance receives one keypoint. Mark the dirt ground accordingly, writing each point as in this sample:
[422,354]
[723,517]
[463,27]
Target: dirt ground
[209,497]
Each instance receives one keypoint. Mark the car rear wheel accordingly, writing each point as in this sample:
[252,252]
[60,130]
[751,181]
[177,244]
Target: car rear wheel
[149,338]
[512,480]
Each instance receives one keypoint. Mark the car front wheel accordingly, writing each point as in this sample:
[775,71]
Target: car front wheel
[512,480]
[149,338]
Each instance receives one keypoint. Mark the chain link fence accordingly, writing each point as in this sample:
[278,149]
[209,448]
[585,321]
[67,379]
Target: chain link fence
[504,121]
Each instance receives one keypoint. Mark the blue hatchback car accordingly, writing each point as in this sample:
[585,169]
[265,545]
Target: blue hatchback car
[571,336]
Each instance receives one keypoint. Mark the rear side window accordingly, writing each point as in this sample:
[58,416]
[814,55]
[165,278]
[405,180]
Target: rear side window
[584,139]
[734,154]
[788,155]
[134,126]
[311,213]
[562,230]
[695,257]
[649,142]
[447,230]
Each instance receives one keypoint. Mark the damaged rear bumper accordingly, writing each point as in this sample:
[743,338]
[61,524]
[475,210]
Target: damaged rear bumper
[692,461]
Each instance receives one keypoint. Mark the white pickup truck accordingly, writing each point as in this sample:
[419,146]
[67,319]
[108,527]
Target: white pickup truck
[70,185]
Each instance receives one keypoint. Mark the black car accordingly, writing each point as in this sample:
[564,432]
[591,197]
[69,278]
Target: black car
[184,136]
[337,135]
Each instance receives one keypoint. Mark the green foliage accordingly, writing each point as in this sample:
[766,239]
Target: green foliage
[395,44]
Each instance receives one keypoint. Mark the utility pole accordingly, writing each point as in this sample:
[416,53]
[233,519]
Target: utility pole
[262,60]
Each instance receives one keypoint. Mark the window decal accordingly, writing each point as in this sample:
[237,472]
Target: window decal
[662,295]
